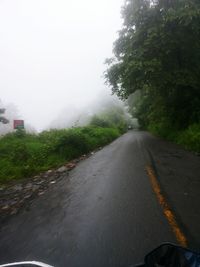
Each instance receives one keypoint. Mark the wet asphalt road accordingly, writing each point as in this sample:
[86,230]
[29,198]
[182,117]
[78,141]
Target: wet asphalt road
[104,213]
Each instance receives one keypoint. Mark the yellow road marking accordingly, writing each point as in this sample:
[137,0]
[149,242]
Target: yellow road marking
[166,209]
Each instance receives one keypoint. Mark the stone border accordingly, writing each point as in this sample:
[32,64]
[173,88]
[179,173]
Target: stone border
[15,196]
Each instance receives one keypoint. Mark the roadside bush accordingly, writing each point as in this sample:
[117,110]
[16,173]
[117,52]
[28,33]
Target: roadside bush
[163,129]
[100,122]
[23,155]
[114,117]
[72,144]
[188,138]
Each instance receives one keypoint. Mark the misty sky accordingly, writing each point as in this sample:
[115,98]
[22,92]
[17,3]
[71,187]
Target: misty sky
[52,54]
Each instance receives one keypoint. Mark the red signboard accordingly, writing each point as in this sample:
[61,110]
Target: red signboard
[18,124]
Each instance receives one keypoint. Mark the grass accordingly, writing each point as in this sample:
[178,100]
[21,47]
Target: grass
[188,138]
[24,155]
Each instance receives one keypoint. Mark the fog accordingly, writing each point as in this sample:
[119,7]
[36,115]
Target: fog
[72,116]
[52,54]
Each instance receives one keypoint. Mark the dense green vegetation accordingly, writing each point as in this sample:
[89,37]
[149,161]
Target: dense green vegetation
[157,62]
[114,117]
[23,155]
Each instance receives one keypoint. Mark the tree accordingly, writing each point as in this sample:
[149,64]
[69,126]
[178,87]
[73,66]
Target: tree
[11,113]
[158,53]
[113,116]
[2,118]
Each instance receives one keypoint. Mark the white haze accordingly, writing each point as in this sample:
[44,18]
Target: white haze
[11,113]
[80,116]
[52,54]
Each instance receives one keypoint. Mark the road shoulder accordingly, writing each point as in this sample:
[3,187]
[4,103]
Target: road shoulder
[178,172]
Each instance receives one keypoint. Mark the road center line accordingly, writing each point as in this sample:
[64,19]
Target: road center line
[166,209]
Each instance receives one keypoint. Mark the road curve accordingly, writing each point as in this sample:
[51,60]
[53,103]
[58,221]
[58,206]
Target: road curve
[104,213]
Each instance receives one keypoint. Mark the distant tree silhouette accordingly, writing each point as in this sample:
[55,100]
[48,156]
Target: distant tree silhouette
[2,118]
